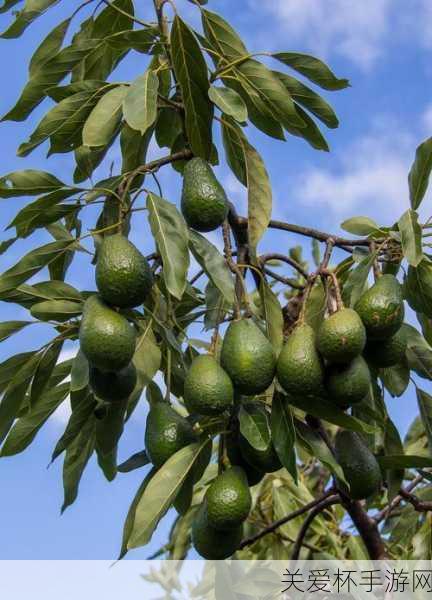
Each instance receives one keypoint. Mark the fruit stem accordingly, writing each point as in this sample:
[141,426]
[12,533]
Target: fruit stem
[240,285]
[376,268]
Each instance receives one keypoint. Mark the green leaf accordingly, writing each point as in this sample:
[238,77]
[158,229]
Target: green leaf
[140,102]
[63,124]
[313,69]
[161,492]
[56,310]
[216,307]
[147,357]
[171,234]
[418,287]
[232,141]
[420,360]
[213,264]
[404,461]
[360,226]
[316,305]
[7,5]
[411,237]
[229,102]
[134,147]
[222,36]
[323,409]
[25,429]
[309,131]
[108,433]
[77,456]
[31,11]
[82,412]
[28,183]
[49,47]
[80,372]
[168,127]
[283,434]
[396,379]
[425,406]
[273,316]
[254,425]
[31,264]
[8,328]
[42,377]
[418,178]
[309,100]
[357,278]
[104,119]
[136,461]
[143,40]
[426,325]
[191,72]
[393,445]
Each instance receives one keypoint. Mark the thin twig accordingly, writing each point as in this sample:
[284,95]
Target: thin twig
[398,499]
[319,508]
[284,280]
[419,505]
[287,259]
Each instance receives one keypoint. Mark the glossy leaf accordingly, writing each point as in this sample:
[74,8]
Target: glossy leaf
[28,183]
[56,310]
[103,121]
[49,47]
[222,36]
[191,71]
[229,102]
[254,426]
[140,102]
[171,234]
[313,69]
[214,264]
[283,434]
[411,237]
[419,175]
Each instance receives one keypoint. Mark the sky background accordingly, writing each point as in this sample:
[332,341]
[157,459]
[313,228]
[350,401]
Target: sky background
[384,48]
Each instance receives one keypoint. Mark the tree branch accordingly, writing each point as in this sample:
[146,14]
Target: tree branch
[419,505]
[319,508]
[397,500]
[290,261]
[297,513]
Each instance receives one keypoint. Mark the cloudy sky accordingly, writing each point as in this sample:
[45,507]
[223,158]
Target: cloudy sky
[384,48]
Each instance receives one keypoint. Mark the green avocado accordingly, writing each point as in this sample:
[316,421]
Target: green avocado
[211,543]
[348,384]
[166,433]
[228,499]
[207,389]
[123,275]
[113,386]
[267,460]
[389,352]
[360,467]
[235,457]
[341,337]
[381,308]
[106,338]
[300,369]
[204,203]
[248,357]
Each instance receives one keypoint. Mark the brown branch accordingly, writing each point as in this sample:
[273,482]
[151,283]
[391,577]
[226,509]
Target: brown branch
[276,524]
[397,499]
[319,508]
[290,261]
[419,505]
[284,280]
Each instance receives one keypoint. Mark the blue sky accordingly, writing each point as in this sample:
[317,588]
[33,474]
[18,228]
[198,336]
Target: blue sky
[384,48]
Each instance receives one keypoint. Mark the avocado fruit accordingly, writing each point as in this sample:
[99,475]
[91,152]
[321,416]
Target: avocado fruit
[207,389]
[360,467]
[389,352]
[106,338]
[123,275]
[348,384]
[235,457]
[211,543]
[248,357]
[203,203]
[113,386]
[381,308]
[341,337]
[166,433]
[300,369]
[228,499]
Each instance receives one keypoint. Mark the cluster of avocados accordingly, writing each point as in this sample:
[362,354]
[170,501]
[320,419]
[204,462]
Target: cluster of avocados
[107,339]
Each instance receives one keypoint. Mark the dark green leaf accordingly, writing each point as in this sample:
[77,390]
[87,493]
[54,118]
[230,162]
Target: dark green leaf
[8,328]
[283,434]
[28,183]
[216,307]
[418,177]
[411,237]
[134,147]
[309,131]
[25,17]
[49,47]
[80,372]
[222,36]
[213,264]
[425,406]
[393,445]
[312,68]
[136,461]
[355,284]
[141,40]
[11,366]
[426,325]
[140,102]
[81,413]
[103,121]
[418,287]
[56,310]
[254,425]
[171,234]
[272,312]
[396,379]
[191,71]
[360,226]
[404,461]
[168,127]
[229,102]
[316,306]
[420,360]
[147,357]
[232,141]
[7,5]
[41,380]
[108,433]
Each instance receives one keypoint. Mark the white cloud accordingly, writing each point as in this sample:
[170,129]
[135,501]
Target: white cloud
[427,119]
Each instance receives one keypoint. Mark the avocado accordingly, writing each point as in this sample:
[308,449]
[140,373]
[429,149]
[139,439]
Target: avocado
[389,352]
[113,386]
[106,338]
[360,467]
[166,433]
[381,308]
[248,357]
[341,337]
[204,203]
[348,384]
[228,499]
[211,543]
[235,457]
[266,460]
[300,369]
[207,389]
[123,275]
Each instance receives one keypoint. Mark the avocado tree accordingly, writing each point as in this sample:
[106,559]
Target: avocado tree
[271,429]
